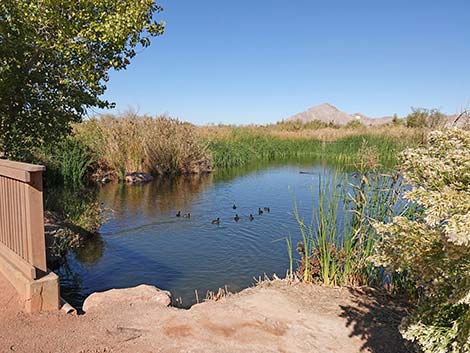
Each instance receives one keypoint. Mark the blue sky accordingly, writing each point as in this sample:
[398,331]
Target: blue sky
[260,61]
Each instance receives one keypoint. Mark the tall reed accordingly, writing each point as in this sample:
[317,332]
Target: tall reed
[339,239]
[67,162]
[130,143]
[74,161]
[244,147]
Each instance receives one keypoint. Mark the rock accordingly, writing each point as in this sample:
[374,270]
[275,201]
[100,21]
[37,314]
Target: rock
[138,178]
[143,294]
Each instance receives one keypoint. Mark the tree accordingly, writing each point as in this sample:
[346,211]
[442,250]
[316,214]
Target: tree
[420,118]
[54,61]
[396,121]
[434,246]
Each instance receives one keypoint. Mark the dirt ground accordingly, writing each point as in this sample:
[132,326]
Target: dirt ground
[272,317]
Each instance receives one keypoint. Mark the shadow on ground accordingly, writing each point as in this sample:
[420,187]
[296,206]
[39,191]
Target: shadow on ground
[376,321]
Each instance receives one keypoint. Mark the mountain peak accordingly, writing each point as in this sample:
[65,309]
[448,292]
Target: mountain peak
[325,112]
[325,105]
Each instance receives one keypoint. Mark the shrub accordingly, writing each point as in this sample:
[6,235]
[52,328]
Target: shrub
[421,118]
[67,161]
[396,121]
[144,144]
[434,247]
[417,118]
[354,124]
[74,160]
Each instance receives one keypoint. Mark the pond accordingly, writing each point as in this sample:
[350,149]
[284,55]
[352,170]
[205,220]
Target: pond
[143,241]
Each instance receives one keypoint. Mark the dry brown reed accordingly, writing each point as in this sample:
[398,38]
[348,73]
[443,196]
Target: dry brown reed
[129,143]
[327,134]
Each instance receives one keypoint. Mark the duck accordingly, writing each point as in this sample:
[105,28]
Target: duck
[187,215]
[178,214]
[260,211]
[234,206]
[251,217]
[236,218]
[267,209]
[216,221]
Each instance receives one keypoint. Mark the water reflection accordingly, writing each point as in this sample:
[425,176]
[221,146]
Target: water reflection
[144,242]
[91,250]
[79,208]
[163,195]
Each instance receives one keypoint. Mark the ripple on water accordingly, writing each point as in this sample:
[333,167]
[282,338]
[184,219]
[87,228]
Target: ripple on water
[143,242]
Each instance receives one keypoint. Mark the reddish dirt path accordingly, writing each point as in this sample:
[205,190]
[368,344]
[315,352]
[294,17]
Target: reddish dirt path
[273,317]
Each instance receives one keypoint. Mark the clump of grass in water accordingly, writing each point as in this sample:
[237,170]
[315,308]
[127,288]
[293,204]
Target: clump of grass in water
[243,147]
[339,239]
[320,258]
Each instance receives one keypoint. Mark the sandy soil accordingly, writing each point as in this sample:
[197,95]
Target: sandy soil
[273,317]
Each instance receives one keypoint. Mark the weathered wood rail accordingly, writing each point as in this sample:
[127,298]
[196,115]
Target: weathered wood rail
[22,240]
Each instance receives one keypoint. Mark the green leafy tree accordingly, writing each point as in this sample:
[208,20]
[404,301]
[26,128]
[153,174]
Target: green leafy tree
[434,247]
[55,57]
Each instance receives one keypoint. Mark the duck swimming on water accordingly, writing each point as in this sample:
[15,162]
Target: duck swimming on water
[236,218]
[260,211]
[187,215]
[267,209]
[216,221]
[251,217]
[178,214]
[234,206]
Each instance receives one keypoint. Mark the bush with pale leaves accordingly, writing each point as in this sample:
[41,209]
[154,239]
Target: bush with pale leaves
[434,246]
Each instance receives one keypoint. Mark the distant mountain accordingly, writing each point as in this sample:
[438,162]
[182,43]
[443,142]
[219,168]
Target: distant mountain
[328,113]
[325,112]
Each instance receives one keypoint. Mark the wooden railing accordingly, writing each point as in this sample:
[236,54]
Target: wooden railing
[22,240]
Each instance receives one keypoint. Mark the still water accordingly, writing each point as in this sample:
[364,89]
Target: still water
[144,242]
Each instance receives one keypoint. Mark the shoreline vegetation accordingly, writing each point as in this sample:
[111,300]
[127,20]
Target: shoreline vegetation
[111,147]
[377,201]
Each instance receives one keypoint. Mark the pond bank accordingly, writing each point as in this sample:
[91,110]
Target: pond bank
[272,317]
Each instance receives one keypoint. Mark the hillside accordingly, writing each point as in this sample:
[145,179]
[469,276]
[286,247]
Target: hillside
[328,113]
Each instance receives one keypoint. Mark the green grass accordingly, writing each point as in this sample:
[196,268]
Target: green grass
[67,163]
[338,238]
[248,148]
[74,160]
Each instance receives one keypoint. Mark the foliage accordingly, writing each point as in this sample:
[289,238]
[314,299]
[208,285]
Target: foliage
[354,124]
[296,125]
[67,162]
[434,247]
[396,121]
[54,62]
[74,160]
[422,118]
[74,217]
[76,207]
[339,238]
[130,143]
[241,147]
